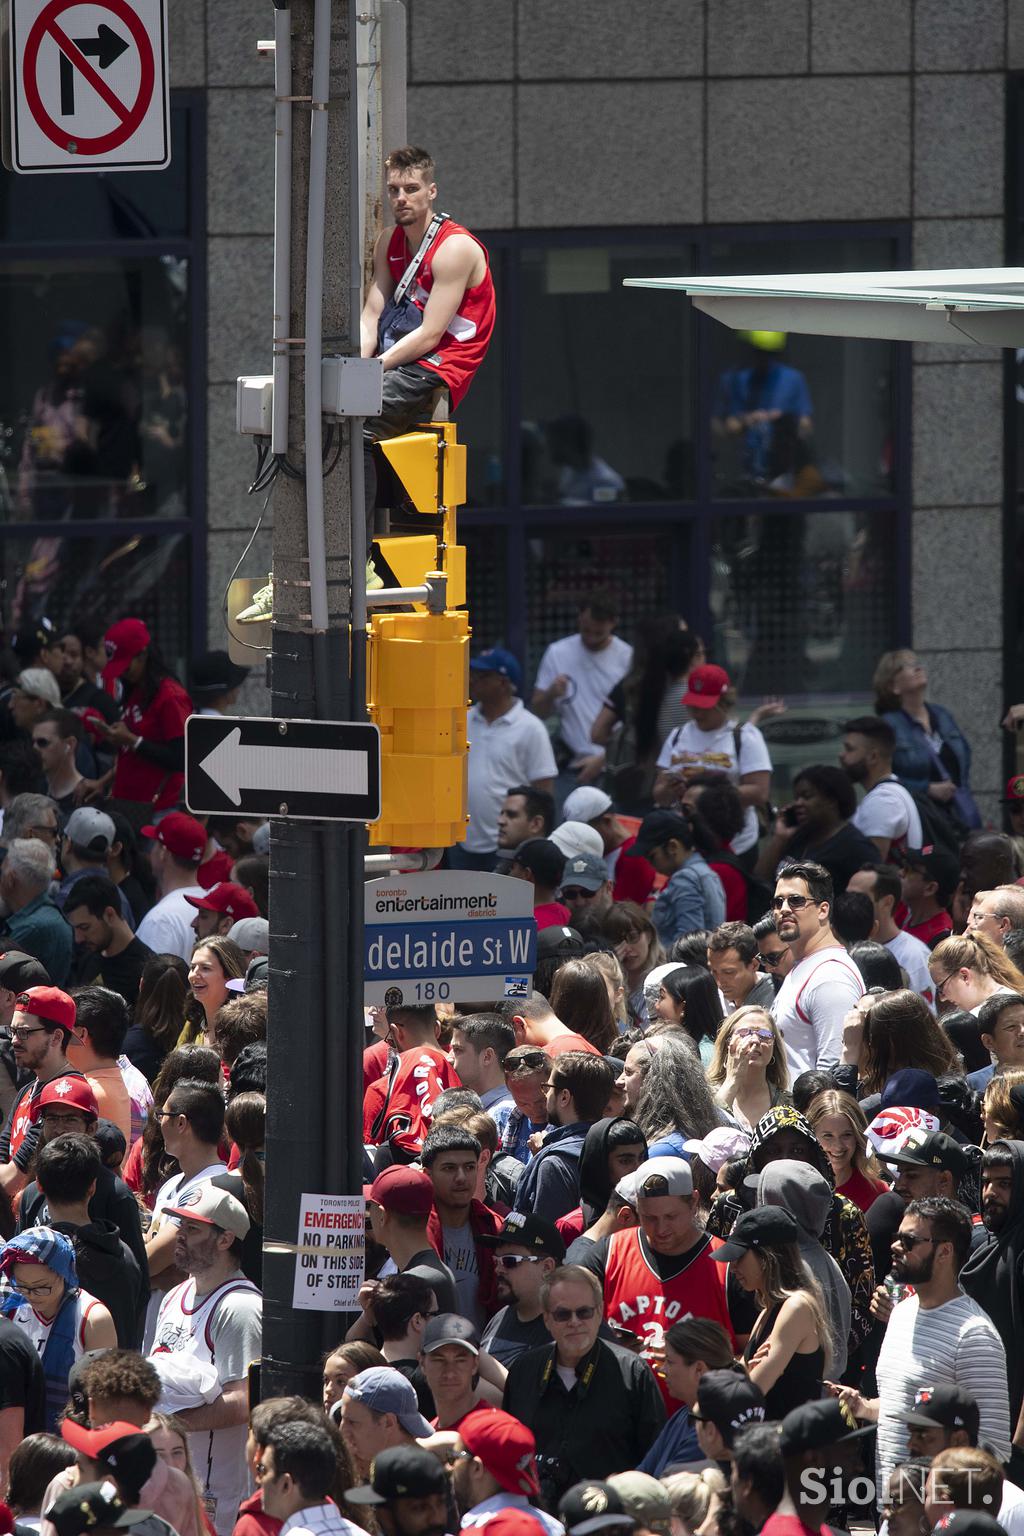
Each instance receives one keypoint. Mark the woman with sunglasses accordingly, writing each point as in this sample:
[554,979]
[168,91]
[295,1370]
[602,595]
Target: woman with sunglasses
[968,968]
[748,1073]
[630,932]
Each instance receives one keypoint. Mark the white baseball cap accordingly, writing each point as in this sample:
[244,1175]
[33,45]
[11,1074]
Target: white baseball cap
[574,837]
[586,803]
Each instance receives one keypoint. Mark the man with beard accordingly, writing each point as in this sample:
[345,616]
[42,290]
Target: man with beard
[41,1030]
[823,983]
[408,1492]
[107,953]
[887,814]
[526,1251]
[993,1275]
[496,1469]
[937,1335]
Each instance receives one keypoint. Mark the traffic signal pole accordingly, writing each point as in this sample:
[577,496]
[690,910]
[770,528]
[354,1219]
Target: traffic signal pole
[314,1090]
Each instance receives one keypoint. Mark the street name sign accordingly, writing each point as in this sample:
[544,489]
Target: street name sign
[88,86]
[306,770]
[448,937]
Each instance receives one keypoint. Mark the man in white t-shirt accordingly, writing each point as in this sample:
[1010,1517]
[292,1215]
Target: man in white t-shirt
[576,675]
[178,843]
[711,741]
[884,884]
[507,746]
[216,1317]
[887,814]
[823,984]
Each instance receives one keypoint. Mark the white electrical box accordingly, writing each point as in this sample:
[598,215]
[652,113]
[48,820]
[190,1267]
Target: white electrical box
[352,386]
[254,404]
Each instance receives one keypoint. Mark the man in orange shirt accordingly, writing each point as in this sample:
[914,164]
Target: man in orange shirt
[101,1023]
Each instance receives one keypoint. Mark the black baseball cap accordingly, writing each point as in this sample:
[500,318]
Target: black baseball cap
[528,1231]
[592,1506]
[730,1401]
[759,1228]
[89,1505]
[560,943]
[450,1328]
[543,858]
[19,972]
[401,1472]
[944,1407]
[968,1522]
[214,672]
[813,1426]
[656,829]
[931,1149]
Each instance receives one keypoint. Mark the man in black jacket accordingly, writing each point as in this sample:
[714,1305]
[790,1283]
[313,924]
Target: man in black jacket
[112,1201]
[564,1391]
[67,1169]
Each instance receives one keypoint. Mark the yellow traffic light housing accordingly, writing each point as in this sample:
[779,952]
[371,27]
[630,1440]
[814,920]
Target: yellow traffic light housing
[418,666]
[431,464]
[417,692]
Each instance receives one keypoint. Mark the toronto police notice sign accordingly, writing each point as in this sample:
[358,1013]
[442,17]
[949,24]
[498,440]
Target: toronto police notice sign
[450,937]
[330,1253]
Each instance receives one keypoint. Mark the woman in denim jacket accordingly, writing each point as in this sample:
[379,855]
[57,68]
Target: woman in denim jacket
[932,754]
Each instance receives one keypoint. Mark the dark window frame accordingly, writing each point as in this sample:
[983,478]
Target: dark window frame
[192,249]
[691,588]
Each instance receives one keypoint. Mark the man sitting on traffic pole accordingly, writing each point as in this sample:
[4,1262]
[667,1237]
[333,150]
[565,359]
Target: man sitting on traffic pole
[432,331]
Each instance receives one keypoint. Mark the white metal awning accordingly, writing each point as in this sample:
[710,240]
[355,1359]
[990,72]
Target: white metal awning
[981,306]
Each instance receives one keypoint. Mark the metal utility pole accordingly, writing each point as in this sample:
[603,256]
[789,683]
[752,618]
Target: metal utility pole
[314,1096]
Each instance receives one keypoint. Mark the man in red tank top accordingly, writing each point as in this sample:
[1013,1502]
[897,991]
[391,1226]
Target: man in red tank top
[452,293]
[654,1274]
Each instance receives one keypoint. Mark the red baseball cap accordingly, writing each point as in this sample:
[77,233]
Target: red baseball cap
[407,1191]
[124,641]
[181,835]
[705,686]
[234,900]
[515,1522]
[1015,790]
[75,1091]
[505,1446]
[48,1003]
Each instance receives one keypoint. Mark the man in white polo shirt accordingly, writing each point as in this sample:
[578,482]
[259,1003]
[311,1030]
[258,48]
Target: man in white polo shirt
[823,983]
[887,814]
[507,746]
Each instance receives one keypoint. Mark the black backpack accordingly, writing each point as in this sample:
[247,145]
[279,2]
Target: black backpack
[941,829]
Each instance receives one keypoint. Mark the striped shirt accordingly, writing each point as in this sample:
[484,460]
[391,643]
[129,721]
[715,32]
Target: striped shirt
[952,1345]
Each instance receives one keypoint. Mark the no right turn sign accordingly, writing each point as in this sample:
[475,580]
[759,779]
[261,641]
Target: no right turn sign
[88,86]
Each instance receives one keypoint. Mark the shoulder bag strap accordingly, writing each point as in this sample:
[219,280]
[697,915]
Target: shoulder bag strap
[407,276]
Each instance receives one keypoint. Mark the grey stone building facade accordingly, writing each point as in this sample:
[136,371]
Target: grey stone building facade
[587,140]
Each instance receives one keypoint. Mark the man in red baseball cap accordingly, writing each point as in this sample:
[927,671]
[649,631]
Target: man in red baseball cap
[175,855]
[499,1470]
[219,908]
[400,1202]
[711,740]
[150,740]
[40,1032]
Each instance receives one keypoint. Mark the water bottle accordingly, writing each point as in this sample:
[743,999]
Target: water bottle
[897,1292]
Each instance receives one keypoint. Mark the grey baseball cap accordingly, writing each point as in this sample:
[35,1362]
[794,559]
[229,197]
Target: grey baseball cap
[90,830]
[384,1390]
[252,934]
[585,870]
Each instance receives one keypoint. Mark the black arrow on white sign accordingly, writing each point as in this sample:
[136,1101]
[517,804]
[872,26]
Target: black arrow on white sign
[316,770]
[106,48]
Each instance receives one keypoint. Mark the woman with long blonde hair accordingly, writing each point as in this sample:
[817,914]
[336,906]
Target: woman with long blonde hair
[1002,1108]
[789,1349]
[840,1125]
[748,1074]
[967,968]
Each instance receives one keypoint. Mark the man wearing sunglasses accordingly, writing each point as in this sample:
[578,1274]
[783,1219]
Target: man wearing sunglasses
[937,1335]
[594,1408]
[823,983]
[41,1030]
[526,1251]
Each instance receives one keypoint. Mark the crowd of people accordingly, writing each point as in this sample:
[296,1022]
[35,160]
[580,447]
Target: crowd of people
[716,1230]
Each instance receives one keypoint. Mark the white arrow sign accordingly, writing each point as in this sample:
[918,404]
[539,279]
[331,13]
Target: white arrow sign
[284,769]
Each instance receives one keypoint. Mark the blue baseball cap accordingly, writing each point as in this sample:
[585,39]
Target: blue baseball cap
[384,1390]
[502,662]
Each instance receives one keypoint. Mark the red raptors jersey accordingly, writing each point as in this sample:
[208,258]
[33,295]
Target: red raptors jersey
[405,1102]
[637,1298]
[461,349]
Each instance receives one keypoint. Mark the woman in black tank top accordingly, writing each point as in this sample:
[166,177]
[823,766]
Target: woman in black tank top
[788,1350]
